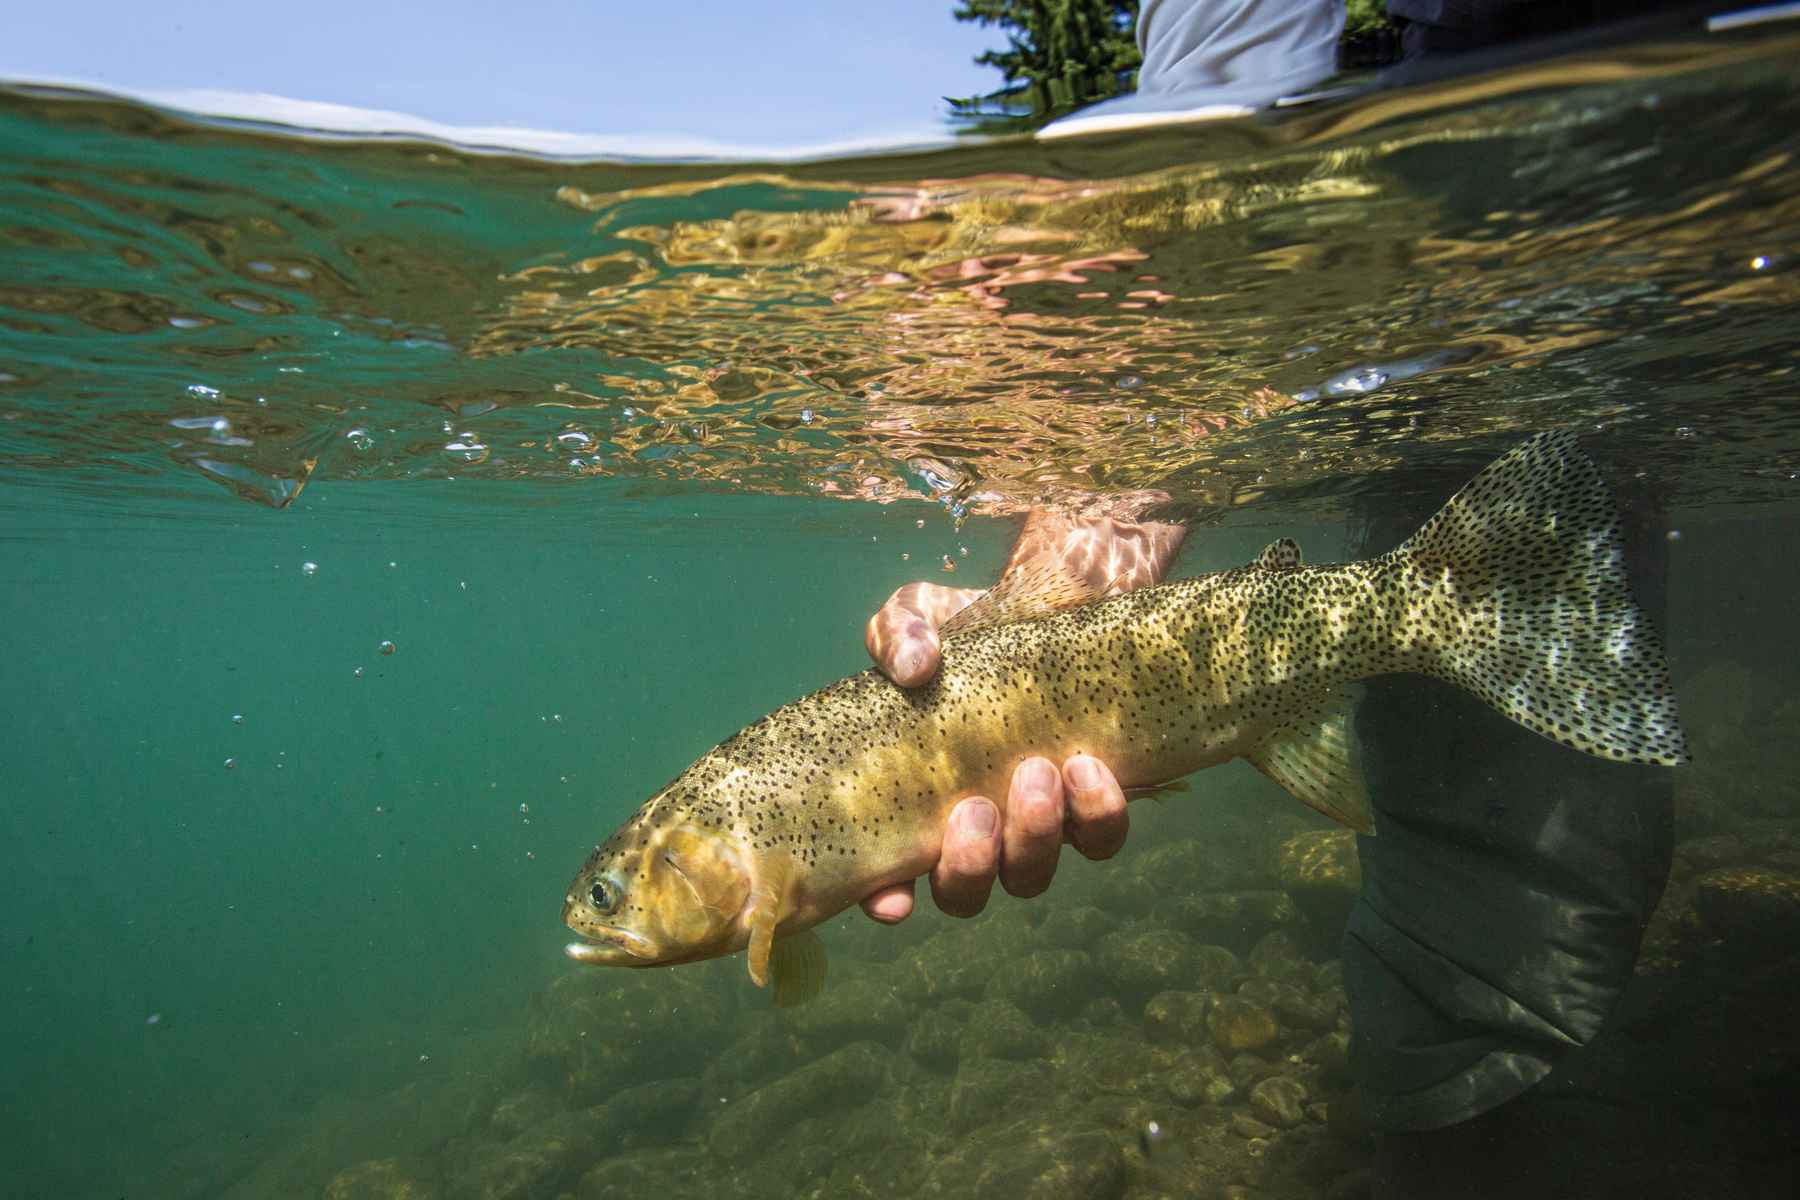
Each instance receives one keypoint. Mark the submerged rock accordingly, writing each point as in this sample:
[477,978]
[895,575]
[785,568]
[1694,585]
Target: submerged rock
[666,1172]
[1076,928]
[1293,1006]
[540,1162]
[1103,1012]
[1126,894]
[1140,962]
[521,1111]
[762,1051]
[1247,1126]
[591,1033]
[1191,865]
[955,962]
[862,1008]
[1049,1158]
[1231,919]
[1280,1100]
[381,1179]
[1048,984]
[842,1079]
[985,1089]
[1278,956]
[1321,871]
[1093,1064]
[1750,907]
[1331,1054]
[1711,853]
[1237,1024]
[1200,1076]
[936,1035]
[1177,1017]
[658,1111]
[1000,1029]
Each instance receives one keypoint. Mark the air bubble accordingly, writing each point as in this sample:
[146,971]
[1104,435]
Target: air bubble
[237,718]
[230,764]
[309,568]
[806,416]
[386,646]
[467,447]
[358,673]
[360,439]
[949,563]
[919,524]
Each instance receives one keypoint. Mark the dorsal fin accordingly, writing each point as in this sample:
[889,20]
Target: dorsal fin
[1281,555]
[1024,593]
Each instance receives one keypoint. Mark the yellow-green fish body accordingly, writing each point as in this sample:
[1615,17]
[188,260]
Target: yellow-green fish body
[1515,590]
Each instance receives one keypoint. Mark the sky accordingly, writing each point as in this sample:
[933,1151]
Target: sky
[694,74]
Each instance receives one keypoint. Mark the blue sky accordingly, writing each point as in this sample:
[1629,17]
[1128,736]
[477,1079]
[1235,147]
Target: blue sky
[793,73]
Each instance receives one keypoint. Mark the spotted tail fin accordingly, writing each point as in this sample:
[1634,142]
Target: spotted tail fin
[1516,590]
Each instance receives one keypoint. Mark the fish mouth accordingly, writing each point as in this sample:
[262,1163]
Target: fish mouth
[608,944]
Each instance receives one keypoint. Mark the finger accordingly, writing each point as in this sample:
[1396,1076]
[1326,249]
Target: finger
[903,645]
[1098,820]
[891,905]
[902,635]
[964,875]
[1034,828]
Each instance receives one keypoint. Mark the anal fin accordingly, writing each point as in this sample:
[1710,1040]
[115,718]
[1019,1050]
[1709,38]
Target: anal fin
[1318,760]
[797,968]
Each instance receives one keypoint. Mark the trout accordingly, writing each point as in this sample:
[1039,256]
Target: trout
[1515,590]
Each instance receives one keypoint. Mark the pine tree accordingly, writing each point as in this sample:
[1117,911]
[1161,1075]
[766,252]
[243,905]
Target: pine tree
[1061,54]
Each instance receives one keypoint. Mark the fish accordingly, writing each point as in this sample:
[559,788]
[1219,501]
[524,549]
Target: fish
[1515,590]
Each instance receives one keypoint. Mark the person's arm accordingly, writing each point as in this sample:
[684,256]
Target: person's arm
[1082,802]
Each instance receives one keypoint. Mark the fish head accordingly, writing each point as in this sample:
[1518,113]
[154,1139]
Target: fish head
[658,893]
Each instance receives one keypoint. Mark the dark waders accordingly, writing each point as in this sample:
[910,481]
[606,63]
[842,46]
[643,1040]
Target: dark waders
[1503,904]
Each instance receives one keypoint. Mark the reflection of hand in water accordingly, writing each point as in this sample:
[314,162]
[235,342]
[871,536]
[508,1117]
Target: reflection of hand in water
[1110,552]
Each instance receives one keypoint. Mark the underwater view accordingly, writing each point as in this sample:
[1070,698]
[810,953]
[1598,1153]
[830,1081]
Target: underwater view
[382,522]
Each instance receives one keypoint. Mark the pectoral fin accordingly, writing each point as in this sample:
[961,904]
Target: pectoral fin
[768,905]
[1318,760]
[798,968]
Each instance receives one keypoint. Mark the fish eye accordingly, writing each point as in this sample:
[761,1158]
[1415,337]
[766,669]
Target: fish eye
[604,895]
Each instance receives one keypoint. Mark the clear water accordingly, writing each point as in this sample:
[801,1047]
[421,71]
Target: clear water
[619,457]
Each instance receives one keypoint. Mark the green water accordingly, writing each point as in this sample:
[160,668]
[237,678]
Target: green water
[619,457]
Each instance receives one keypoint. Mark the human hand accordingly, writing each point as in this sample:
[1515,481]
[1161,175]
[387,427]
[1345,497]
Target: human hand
[1083,802]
